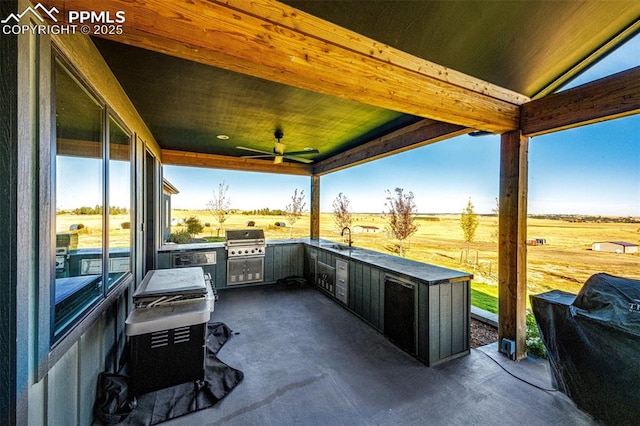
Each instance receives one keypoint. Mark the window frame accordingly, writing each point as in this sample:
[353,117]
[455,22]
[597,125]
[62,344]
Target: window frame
[61,340]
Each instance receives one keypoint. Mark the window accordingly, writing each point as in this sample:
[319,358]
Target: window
[92,194]
[119,202]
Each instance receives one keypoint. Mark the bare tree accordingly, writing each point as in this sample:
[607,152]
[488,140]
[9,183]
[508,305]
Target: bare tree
[295,209]
[401,215]
[496,211]
[219,205]
[341,211]
[469,224]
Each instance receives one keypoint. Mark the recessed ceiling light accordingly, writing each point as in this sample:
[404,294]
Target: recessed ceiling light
[222,137]
[308,148]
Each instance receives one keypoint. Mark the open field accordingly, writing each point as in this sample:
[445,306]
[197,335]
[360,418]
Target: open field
[90,236]
[564,263]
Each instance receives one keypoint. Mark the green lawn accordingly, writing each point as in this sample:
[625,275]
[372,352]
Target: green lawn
[484,296]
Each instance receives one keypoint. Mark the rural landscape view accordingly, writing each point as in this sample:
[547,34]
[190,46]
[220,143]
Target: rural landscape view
[564,262]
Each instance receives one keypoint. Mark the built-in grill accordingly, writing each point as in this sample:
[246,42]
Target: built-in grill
[245,256]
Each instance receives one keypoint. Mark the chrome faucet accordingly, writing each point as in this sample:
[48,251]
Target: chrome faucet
[342,234]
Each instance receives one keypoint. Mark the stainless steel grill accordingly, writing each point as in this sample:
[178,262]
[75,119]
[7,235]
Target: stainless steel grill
[245,242]
[246,250]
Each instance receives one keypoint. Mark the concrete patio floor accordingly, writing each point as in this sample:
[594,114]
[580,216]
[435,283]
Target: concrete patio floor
[308,361]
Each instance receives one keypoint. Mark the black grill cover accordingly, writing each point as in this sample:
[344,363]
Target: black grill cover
[593,344]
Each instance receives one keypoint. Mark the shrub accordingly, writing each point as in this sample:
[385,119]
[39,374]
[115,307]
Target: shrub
[535,346]
[194,226]
[180,237]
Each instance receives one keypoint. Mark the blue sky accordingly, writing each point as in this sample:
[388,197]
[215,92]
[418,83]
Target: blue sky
[589,170]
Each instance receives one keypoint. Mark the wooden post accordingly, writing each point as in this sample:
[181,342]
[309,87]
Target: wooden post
[314,232]
[512,250]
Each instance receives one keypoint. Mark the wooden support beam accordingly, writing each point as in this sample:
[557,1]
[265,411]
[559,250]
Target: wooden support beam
[611,97]
[194,159]
[270,40]
[422,133]
[314,232]
[512,250]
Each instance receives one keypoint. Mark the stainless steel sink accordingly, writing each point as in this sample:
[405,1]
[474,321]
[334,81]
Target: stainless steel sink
[341,247]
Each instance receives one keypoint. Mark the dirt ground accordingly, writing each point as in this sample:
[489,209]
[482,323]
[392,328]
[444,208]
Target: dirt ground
[482,334]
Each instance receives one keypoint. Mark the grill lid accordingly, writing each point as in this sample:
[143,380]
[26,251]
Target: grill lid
[171,284]
[244,235]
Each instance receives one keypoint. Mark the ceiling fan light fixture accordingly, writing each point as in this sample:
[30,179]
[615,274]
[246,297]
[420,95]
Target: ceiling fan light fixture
[279,153]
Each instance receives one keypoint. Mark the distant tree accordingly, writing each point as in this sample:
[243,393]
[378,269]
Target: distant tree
[469,224]
[401,217]
[219,205]
[194,226]
[341,211]
[496,211]
[295,209]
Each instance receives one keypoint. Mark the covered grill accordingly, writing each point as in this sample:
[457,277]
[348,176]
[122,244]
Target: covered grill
[245,256]
[167,329]
[593,343]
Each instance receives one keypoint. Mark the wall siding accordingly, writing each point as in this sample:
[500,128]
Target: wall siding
[90,364]
[56,385]
[62,392]
[8,220]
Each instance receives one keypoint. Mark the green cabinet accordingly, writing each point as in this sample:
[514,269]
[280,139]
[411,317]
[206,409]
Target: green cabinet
[283,260]
[441,308]
[366,293]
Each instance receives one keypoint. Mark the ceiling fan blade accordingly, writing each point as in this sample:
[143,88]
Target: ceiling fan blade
[255,150]
[296,158]
[309,151]
[258,156]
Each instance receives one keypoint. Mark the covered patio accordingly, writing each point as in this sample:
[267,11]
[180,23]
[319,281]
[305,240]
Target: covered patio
[309,362]
[212,84]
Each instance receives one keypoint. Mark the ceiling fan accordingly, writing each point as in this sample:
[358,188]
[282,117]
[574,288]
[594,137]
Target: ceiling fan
[279,153]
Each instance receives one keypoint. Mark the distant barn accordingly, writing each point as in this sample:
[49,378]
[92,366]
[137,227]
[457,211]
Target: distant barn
[536,241]
[365,228]
[615,247]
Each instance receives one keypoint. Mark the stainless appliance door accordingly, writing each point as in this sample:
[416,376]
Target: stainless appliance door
[244,270]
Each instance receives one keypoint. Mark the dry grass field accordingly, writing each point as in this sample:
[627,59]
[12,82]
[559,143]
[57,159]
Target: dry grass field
[564,263]
[90,236]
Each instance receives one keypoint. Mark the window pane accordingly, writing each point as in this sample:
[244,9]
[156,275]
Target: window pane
[79,205]
[119,202]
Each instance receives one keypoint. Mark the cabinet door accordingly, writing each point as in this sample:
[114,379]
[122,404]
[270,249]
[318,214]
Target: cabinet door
[342,280]
[399,313]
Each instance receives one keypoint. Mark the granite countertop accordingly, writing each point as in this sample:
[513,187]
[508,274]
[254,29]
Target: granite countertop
[427,273]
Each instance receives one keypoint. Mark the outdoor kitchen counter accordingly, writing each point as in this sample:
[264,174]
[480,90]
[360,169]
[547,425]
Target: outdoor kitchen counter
[427,273]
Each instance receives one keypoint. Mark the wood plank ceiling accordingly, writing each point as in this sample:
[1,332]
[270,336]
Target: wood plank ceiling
[353,82]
